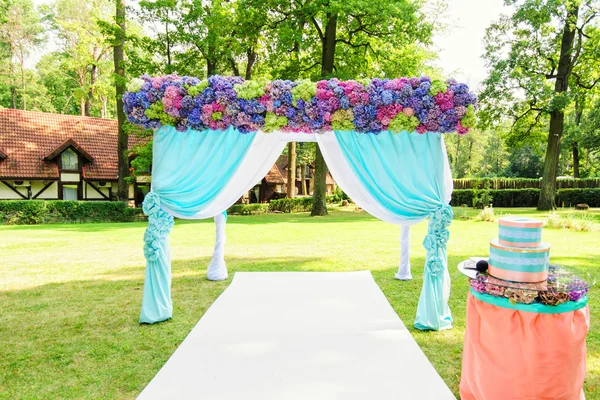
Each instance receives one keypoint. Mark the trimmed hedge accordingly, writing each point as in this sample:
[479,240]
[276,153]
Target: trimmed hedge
[248,209]
[529,197]
[297,204]
[64,211]
[572,197]
[524,183]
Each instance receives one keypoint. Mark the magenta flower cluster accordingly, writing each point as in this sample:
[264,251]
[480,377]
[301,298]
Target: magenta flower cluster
[370,106]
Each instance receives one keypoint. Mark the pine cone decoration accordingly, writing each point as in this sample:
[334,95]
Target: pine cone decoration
[551,298]
[495,290]
[520,295]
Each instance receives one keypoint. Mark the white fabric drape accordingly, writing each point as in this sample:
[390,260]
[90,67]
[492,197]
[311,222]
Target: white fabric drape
[263,153]
[217,270]
[404,273]
[345,177]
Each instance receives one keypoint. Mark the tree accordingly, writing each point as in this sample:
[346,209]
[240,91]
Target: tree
[163,18]
[367,31]
[84,45]
[533,55]
[291,172]
[123,139]
[20,32]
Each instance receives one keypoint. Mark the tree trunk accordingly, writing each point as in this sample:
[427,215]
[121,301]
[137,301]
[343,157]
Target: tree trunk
[579,105]
[575,160]
[82,106]
[88,101]
[328,42]
[320,186]
[11,75]
[104,104]
[291,172]
[327,59]
[123,139]
[303,180]
[211,57]
[168,38]
[457,153]
[23,94]
[557,117]
[251,53]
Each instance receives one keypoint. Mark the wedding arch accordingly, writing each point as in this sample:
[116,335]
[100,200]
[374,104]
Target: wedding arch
[381,139]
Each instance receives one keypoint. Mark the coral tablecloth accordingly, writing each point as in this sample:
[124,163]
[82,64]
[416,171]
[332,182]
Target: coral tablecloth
[512,354]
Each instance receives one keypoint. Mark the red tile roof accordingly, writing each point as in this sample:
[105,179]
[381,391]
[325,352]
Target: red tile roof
[27,137]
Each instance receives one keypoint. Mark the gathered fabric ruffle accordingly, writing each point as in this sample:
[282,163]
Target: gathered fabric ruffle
[160,224]
[437,239]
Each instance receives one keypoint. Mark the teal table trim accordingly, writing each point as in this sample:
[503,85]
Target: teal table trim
[535,308]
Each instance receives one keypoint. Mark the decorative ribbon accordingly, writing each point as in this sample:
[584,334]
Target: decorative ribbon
[159,225]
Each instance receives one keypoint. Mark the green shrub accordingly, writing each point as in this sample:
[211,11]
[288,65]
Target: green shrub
[59,211]
[337,196]
[487,215]
[248,209]
[523,183]
[572,197]
[297,204]
[529,197]
[482,198]
[499,198]
[575,222]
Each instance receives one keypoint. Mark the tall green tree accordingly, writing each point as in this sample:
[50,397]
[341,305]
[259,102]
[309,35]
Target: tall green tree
[537,57]
[348,38]
[21,31]
[120,79]
[85,45]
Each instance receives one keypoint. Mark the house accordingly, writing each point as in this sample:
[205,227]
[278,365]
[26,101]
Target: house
[68,157]
[274,184]
[60,157]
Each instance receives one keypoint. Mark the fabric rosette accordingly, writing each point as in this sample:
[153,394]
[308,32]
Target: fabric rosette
[151,246]
[434,266]
[151,204]
[160,224]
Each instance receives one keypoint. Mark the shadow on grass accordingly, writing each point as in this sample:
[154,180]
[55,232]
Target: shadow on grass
[81,339]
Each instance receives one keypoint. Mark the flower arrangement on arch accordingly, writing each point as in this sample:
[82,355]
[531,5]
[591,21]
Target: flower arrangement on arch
[367,106]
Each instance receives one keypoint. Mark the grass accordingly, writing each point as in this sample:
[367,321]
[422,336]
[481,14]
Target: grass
[70,294]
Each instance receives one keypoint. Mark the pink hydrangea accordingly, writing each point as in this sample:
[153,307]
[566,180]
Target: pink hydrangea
[324,94]
[408,111]
[461,130]
[322,84]
[386,113]
[421,129]
[445,100]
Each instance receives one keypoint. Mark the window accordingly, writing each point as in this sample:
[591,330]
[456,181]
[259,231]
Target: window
[70,192]
[69,160]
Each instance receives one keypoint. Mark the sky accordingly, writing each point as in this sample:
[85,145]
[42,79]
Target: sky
[459,48]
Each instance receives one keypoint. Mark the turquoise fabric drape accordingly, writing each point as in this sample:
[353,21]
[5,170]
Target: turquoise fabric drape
[533,307]
[189,169]
[404,173]
[156,299]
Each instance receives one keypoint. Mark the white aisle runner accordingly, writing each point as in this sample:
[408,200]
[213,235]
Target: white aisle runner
[299,336]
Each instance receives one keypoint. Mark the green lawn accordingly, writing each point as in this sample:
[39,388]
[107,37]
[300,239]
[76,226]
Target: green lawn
[70,294]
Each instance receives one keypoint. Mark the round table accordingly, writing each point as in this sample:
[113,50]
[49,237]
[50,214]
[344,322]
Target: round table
[523,351]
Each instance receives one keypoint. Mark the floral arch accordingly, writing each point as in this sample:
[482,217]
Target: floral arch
[381,139]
